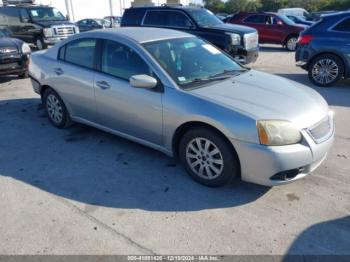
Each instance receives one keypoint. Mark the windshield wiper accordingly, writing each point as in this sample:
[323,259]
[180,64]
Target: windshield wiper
[233,72]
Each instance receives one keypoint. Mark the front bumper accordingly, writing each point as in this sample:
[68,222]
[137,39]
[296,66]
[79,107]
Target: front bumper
[13,64]
[54,40]
[260,164]
[245,56]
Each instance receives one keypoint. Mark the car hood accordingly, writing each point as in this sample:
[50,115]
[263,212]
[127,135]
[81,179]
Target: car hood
[233,28]
[263,96]
[8,41]
[53,23]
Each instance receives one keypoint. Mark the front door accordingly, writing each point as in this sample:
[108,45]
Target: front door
[132,111]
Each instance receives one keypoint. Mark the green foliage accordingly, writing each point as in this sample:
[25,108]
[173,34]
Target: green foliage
[233,6]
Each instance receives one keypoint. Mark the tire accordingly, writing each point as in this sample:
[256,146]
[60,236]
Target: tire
[24,75]
[55,109]
[291,43]
[333,70]
[39,43]
[203,169]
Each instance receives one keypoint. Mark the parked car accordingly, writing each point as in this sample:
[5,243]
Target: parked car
[37,24]
[14,55]
[93,24]
[323,49]
[299,12]
[114,20]
[300,20]
[316,16]
[238,41]
[272,28]
[183,96]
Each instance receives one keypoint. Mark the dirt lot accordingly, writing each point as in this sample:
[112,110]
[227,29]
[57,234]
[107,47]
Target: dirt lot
[83,191]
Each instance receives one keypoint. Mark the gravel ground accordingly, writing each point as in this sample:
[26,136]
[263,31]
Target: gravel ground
[83,191]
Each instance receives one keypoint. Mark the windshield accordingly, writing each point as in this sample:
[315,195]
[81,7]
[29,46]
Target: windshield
[192,62]
[286,20]
[46,14]
[103,22]
[204,17]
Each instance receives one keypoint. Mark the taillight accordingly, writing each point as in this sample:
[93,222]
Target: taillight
[305,39]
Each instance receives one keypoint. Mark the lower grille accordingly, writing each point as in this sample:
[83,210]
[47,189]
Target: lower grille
[322,130]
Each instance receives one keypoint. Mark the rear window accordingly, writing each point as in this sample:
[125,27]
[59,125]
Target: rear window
[343,26]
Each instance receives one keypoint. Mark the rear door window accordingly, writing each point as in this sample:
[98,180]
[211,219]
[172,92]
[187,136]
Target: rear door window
[81,52]
[343,26]
[256,19]
[167,18]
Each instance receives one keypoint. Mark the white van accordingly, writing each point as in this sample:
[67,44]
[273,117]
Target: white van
[294,11]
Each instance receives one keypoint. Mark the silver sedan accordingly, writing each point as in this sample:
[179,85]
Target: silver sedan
[181,95]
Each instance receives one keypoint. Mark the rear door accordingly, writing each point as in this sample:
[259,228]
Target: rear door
[259,23]
[74,77]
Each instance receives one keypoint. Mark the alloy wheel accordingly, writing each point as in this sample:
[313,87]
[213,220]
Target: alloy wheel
[325,71]
[54,109]
[292,44]
[204,158]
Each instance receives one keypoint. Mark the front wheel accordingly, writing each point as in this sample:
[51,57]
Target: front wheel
[208,158]
[326,70]
[291,43]
[40,44]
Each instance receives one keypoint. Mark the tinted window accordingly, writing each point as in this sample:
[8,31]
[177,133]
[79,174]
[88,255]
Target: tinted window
[155,18]
[204,17]
[167,18]
[256,19]
[132,16]
[24,15]
[61,53]
[343,26]
[81,52]
[121,61]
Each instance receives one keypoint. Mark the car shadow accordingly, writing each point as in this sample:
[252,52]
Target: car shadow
[338,95]
[83,164]
[272,48]
[326,238]
[6,79]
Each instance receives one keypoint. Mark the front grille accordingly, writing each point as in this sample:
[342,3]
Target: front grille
[64,31]
[322,130]
[8,50]
[251,41]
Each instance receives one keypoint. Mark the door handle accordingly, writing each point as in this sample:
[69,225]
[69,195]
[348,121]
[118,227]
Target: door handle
[103,85]
[59,71]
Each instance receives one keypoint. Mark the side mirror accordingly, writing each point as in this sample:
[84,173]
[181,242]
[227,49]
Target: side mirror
[143,81]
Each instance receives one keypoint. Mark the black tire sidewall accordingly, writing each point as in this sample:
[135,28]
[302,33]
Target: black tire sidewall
[336,60]
[231,164]
[65,117]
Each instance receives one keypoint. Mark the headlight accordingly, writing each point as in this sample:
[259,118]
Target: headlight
[235,39]
[277,133]
[48,32]
[76,30]
[26,49]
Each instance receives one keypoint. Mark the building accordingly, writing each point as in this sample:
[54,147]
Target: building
[80,9]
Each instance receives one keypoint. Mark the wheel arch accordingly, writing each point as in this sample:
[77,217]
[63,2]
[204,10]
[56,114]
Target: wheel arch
[289,36]
[182,129]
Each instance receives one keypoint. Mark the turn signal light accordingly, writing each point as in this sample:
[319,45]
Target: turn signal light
[305,39]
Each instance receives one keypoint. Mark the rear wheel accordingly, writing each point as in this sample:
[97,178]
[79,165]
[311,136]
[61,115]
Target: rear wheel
[291,43]
[55,109]
[326,70]
[208,158]
[24,75]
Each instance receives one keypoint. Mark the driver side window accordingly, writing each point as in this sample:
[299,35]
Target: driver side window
[121,61]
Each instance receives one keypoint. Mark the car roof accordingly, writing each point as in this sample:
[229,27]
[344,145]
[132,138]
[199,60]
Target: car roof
[171,7]
[141,34]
